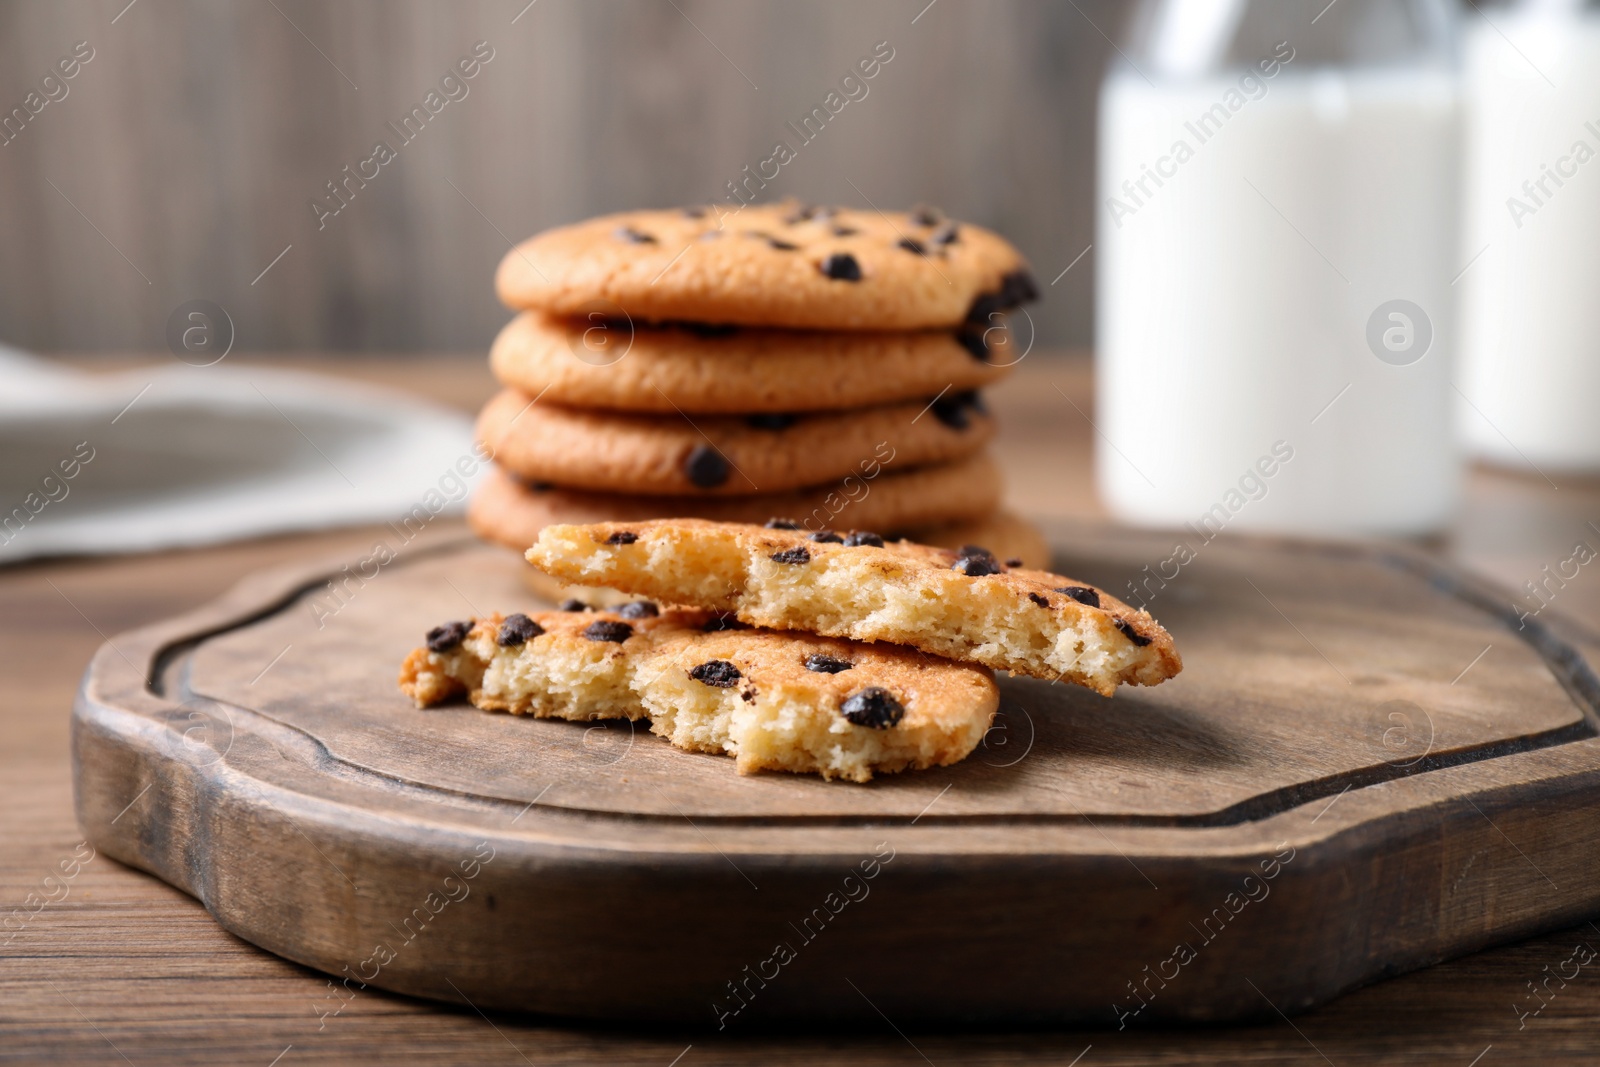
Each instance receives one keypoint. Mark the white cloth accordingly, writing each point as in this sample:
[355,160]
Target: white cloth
[182,455]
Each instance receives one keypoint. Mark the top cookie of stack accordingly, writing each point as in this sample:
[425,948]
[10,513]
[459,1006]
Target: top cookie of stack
[779,360]
[785,265]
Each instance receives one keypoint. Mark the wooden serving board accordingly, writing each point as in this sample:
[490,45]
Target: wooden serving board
[1365,767]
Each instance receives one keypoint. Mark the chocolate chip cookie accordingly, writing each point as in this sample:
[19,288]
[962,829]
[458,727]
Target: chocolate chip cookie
[615,365]
[787,265]
[964,604]
[773,701]
[720,455]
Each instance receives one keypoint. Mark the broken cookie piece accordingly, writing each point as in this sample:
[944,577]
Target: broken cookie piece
[962,604]
[773,701]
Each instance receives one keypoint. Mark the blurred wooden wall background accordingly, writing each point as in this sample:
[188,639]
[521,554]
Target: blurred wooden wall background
[185,154]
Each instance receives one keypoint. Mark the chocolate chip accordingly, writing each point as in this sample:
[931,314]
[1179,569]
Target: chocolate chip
[708,329]
[1042,601]
[694,212]
[573,604]
[1130,633]
[639,609]
[955,409]
[705,467]
[444,638]
[622,537]
[772,421]
[749,695]
[1082,594]
[633,236]
[825,664]
[845,231]
[541,487]
[800,214]
[1018,288]
[873,707]
[984,307]
[926,215]
[975,562]
[911,244]
[721,621]
[782,524]
[791,555]
[948,234]
[976,342]
[1014,561]
[718,673]
[608,630]
[842,267]
[518,629]
[827,537]
[858,538]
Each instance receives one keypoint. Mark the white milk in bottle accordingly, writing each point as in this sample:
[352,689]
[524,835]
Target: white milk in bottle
[1530,316]
[1276,245]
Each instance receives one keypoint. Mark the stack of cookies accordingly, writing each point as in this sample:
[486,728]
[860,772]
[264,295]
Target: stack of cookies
[816,364]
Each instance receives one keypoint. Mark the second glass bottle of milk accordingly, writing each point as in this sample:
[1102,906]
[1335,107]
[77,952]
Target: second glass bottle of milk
[1276,242]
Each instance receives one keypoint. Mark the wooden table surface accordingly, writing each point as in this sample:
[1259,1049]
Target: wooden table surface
[122,968]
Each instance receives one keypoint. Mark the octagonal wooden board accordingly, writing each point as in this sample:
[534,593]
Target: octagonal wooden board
[1366,766]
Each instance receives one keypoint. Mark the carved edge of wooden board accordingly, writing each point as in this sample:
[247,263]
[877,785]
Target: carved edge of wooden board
[1394,859]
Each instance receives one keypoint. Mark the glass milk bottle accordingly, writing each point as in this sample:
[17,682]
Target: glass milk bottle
[1530,318]
[1276,242]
